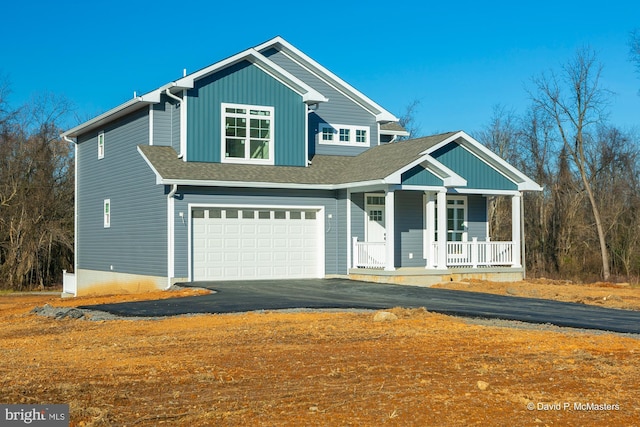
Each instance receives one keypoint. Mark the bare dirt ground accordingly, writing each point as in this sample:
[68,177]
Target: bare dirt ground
[323,367]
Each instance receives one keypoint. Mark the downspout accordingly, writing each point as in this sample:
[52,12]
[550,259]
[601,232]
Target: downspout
[180,100]
[170,234]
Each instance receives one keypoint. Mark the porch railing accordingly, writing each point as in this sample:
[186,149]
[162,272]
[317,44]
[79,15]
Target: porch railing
[369,254]
[476,253]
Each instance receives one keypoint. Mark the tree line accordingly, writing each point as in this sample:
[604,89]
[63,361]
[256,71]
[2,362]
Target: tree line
[36,193]
[585,225]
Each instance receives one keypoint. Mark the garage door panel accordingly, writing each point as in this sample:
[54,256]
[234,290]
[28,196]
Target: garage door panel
[242,244]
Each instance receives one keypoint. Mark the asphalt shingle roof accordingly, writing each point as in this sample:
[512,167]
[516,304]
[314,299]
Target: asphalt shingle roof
[374,164]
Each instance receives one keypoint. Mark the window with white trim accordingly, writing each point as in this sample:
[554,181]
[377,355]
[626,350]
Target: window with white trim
[106,209]
[333,134]
[101,145]
[247,134]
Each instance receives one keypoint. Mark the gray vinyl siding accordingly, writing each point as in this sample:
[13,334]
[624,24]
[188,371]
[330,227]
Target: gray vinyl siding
[166,123]
[335,229]
[477,216]
[339,110]
[357,216]
[136,242]
[409,224]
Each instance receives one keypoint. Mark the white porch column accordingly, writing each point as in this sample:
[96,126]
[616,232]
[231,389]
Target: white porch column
[516,229]
[389,222]
[349,242]
[442,229]
[429,234]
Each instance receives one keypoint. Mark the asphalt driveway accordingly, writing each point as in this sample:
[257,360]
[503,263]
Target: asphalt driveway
[240,296]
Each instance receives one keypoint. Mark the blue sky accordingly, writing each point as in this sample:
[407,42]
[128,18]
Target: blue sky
[459,59]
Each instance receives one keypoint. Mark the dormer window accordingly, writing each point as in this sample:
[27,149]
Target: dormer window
[332,134]
[247,134]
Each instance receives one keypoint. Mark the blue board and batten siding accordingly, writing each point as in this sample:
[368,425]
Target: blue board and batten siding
[334,203]
[244,83]
[136,241]
[339,110]
[479,175]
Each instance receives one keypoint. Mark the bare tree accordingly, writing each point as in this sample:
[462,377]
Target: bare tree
[576,102]
[408,120]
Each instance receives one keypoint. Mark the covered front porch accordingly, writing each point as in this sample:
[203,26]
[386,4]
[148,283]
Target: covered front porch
[408,236]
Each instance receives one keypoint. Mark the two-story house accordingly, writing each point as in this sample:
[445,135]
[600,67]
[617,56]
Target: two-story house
[267,165]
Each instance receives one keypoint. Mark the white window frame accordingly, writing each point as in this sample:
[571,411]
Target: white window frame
[106,213]
[101,145]
[223,137]
[350,129]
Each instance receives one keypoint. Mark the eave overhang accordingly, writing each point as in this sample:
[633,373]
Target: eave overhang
[523,182]
[301,58]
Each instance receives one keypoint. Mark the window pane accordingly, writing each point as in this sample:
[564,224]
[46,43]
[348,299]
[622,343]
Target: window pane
[231,213]
[327,134]
[235,148]
[198,213]
[361,136]
[264,215]
[248,214]
[280,214]
[295,215]
[259,149]
[344,135]
[309,215]
[215,213]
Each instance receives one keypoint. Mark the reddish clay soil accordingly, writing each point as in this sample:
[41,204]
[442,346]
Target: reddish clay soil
[322,368]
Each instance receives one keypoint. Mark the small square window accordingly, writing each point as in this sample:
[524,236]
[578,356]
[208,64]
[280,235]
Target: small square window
[248,214]
[280,214]
[295,215]
[309,215]
[197,213]
[231,213]
[345,135]
[215,213]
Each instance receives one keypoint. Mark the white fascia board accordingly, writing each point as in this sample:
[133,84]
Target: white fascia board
[523,182]
[309,95]
[114,113]
[486,192]
[148,98]
[394,132]
[283,185]
[315,68]
[448,177]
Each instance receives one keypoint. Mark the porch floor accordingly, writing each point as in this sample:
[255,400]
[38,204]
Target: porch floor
[420,276]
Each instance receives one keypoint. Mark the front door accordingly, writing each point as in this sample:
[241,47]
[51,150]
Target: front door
[375,227]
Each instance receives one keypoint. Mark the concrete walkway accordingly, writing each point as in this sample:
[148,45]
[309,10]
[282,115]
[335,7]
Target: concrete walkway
[241,296]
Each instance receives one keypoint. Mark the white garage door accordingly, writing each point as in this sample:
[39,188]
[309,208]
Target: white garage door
[256,243]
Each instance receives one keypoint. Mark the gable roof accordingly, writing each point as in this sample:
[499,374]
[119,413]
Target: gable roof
[309,95]
[382,164]
[314,67]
